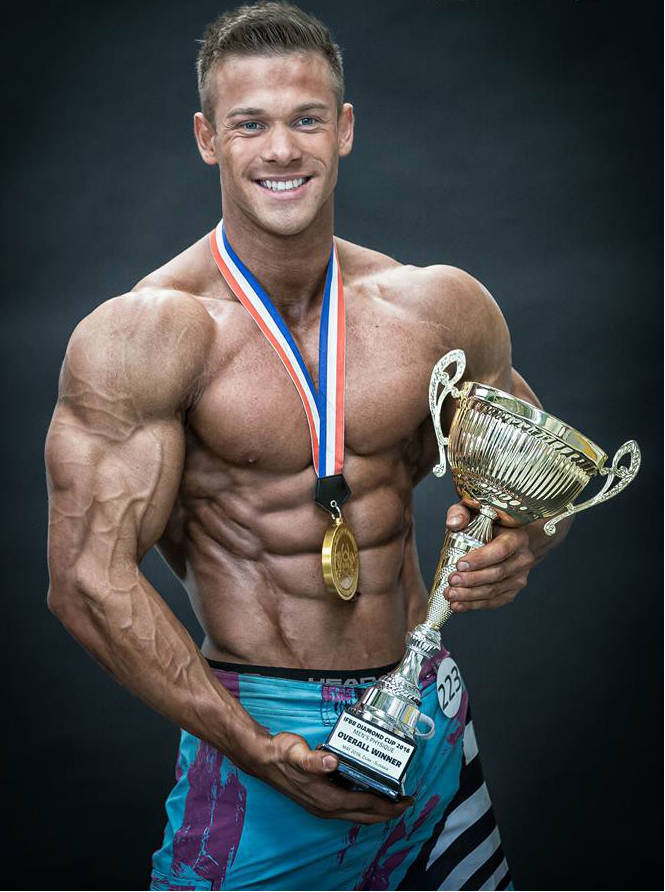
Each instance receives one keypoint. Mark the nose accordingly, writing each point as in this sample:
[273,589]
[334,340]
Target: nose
[281,146]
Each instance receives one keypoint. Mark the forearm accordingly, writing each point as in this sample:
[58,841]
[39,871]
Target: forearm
[131,631]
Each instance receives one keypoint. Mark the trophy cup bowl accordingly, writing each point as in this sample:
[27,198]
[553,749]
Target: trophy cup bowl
[513,463]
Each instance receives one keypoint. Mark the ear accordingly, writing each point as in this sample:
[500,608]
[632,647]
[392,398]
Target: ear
[345,123]
[205,135]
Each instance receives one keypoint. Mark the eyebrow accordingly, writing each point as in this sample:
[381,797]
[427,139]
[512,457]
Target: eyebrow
[257,112]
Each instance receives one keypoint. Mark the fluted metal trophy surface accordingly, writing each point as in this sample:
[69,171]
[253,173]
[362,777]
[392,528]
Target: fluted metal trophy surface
[513,463]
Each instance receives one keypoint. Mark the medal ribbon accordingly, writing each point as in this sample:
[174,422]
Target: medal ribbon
[324,409]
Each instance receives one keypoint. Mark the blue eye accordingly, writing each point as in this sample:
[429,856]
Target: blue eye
[307,121]
[250,125]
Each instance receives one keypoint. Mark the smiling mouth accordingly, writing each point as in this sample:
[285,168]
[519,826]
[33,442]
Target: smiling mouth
[285,185]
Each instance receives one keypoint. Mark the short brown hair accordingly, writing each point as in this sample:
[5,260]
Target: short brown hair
[265,28]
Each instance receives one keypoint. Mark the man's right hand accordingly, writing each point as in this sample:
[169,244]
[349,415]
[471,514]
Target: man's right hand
[302,774]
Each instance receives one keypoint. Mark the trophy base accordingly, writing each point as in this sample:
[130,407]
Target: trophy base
[370,758]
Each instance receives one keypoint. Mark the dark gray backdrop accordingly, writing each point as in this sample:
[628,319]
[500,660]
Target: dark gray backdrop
[519,141]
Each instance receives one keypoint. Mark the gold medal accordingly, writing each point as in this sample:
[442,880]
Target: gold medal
[340,559]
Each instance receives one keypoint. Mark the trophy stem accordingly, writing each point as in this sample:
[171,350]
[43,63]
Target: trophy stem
[394,700]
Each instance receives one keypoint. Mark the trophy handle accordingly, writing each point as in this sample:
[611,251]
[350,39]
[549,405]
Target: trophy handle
[624,475]
[441,378]
[426,735]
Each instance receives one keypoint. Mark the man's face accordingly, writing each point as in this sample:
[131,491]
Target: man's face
[277,138]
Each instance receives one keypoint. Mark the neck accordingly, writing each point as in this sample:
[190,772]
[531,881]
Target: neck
[291,268]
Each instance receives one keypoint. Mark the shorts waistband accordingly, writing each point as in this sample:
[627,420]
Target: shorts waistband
[341,677]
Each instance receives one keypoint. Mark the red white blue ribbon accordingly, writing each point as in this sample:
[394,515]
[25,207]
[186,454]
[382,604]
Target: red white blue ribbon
[324,408]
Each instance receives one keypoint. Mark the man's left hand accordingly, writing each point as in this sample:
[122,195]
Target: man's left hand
[494,573]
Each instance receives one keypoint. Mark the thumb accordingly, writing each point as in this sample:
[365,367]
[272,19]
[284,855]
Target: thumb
[311,761]
[457,517]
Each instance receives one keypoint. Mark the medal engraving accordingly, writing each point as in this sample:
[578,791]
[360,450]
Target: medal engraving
[340,560]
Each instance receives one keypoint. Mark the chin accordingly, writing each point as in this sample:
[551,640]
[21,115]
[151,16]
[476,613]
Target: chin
[285,221]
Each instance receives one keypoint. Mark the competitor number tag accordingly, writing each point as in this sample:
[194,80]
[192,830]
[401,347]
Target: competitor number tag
[449,687]
[369,745]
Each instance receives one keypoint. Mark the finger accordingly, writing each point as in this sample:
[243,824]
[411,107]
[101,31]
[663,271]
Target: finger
[327,800]
[488,604]
[457,517]
[340,800]
[385,811]
[359,817]
[514,565]
[484,592]
[499,549]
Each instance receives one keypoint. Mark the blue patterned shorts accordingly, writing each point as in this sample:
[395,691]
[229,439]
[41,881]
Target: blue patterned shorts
[228,830]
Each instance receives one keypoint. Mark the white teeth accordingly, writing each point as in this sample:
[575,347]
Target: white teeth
[282,185]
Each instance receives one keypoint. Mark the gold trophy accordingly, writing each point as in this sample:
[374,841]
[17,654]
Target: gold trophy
[513,463]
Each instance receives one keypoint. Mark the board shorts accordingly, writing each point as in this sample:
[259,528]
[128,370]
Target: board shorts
[228,830]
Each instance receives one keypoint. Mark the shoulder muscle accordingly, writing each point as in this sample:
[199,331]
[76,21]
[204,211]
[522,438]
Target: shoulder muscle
[471,319]
[147,350]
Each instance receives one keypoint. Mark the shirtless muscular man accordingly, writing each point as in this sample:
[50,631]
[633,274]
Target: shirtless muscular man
[177,425]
